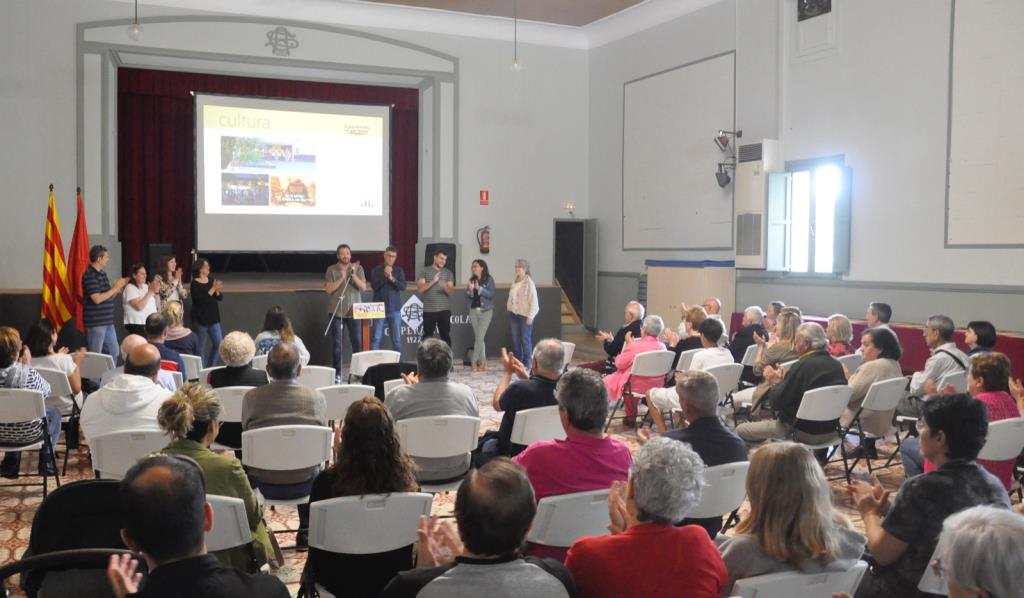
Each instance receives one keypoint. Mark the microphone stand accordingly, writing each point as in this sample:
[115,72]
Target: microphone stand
[341,298]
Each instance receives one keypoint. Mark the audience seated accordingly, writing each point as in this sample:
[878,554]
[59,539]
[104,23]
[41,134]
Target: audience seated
[16,371]
[877,316]
[586,459]
[613,344]
[713,305]
[815,369]
[704,432]
[646,555]
[635,345]
[982,552]
[156,334]
[667,399]
[753,317]
[535,388]
[901,539]
[40,341]
[163,502]
[494,509]
[792,525]
[946,358]
[129,401]
[881,352]
[688,338]
[189,417]
[369,460]
[163,378]
[772,351]
[840,335]
[276,328]
[179,338]
[989,382]
[429,392]
[771,315]
[980,337]
[284,402]
[236,353]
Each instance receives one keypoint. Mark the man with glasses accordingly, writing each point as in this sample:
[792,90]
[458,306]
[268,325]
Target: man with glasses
[388,282]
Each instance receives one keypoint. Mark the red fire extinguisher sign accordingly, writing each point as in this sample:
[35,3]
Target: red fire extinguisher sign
[485,197]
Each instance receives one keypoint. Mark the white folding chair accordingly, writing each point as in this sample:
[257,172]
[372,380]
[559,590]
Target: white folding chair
[21,406]
[792,584]
[114,454]
[787,365]
[685,359]
[931,582]
[883,395]
[230,523]
[339,398]
[728,377]
[853,361]
[561,520]
[60,387]
[724,493]
[567,349]
[316,376]
[95,365]
[437,437]
[1005,440]
[286,448]
[649,364]
[749,356]
[193,365]
[826,404]
[390,385]
[362,361]
[260,362]
[231,398]
[204,374]
[179,379]
[958,380]
[534,425]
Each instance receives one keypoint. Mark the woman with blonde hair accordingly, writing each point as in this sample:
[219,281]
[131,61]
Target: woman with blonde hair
[522,309]
[189,416]
[792,525]
[688,339]
[840,335]
[179,338]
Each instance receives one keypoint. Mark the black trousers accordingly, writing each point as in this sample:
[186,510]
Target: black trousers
[442,320]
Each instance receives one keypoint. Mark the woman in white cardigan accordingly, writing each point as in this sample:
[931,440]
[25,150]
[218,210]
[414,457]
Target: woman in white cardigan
[522,309]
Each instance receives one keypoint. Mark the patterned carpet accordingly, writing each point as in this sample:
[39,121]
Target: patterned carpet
[18,505]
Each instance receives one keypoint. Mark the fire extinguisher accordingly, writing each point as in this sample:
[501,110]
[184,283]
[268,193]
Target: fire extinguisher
[483,239]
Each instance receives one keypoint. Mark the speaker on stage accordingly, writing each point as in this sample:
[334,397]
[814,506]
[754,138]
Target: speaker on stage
[449,250]
[154,251]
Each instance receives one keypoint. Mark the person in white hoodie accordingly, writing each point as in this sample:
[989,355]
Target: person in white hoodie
[130,401]
[164,377]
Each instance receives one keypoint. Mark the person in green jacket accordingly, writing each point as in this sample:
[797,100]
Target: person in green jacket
[189,417]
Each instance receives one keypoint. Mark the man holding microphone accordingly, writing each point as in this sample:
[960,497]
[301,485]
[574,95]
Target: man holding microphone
[343,282]
[388,282]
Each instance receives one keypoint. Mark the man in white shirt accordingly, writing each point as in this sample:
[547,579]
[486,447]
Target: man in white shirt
[130,401]
[878,315]
[946,358]
[667,399]
[713,305]
[164,378]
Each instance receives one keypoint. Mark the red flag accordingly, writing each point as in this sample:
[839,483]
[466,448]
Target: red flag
[78,261]
[56,296]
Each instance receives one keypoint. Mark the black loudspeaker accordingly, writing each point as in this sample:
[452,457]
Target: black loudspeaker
[449,250]
[154,251]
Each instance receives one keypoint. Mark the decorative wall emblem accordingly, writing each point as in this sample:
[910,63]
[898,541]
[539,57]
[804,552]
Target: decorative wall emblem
[412,313]
[281,41]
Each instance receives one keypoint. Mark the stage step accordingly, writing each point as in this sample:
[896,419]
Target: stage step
[569,315]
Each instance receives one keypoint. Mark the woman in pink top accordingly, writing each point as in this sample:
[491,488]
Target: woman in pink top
[989,381]
[648,341]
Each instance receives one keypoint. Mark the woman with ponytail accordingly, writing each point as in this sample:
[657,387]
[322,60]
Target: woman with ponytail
[189,417]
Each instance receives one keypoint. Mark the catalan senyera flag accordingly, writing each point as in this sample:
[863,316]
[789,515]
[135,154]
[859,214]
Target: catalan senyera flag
[78,261]
[56,296]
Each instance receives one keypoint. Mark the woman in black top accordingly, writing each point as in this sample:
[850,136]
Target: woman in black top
[206,292]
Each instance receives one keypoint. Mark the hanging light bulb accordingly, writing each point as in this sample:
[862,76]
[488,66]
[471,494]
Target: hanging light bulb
[515,66]
[135,29]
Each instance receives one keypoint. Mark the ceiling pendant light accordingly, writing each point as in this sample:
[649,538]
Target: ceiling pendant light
[135,29]
[515,66]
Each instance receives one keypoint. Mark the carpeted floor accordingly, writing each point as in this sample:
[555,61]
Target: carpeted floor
[18,505]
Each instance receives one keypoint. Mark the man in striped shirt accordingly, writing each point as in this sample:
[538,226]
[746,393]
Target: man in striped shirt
[98,303]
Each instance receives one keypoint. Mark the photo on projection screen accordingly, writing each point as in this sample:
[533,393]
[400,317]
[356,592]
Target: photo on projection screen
[278,176]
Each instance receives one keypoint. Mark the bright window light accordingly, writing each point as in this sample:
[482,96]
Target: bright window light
[826,191]
[801,227]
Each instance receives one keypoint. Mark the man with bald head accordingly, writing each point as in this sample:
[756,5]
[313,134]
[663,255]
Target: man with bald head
[131,400]
[713,305]
[164,378]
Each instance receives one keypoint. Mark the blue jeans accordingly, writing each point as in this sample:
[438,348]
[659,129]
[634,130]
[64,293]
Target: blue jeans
[522,338]
[910,454]
[393,321]
[355,338]
[103,339]
[289,491]
[214,333]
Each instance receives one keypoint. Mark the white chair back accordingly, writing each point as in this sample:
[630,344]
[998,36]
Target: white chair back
[316,376]
[685,359]
[853,361]
[439,436]
[1005,440]
[749,355]
[231,402]
[204,374]
[539,423]
[824,404]
[60,386]
[285,448]
[193,364]
[789,364]
[95,365]
[931,582]
[884,395]
[792,584]
[259,362]
[179,379]
[339,398]
[367,524]
[567,349]
[364,359]
[390,385]
[114,454]
[561,520]
[230,523]
[728,377]
[19,405]
[957,379]
[652,363]
[725,490]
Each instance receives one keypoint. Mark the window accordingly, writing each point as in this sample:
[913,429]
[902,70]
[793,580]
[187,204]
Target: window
[809,217]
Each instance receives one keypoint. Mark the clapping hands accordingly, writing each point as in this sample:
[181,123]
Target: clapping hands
[513,365]
[438,542]
[869,498]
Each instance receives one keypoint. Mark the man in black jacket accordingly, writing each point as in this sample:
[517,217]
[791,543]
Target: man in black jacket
[815,369]
[634,316]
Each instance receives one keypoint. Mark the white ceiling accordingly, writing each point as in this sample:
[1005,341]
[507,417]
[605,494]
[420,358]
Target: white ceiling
[575,13]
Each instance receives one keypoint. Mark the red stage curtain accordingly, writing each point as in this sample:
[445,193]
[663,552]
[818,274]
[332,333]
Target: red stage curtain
[156,154]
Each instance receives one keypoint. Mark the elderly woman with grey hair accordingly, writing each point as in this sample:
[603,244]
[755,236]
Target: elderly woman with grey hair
[646,554]
[981,553]
[615,382]
[522,309]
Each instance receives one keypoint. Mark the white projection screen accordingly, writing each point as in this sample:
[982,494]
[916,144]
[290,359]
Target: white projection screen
[288,176]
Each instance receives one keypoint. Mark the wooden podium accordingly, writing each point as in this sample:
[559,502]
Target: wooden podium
[367,312]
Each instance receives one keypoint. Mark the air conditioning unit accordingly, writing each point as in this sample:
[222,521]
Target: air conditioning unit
[753,163]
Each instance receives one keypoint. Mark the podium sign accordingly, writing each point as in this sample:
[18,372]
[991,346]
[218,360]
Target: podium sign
[367,311]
